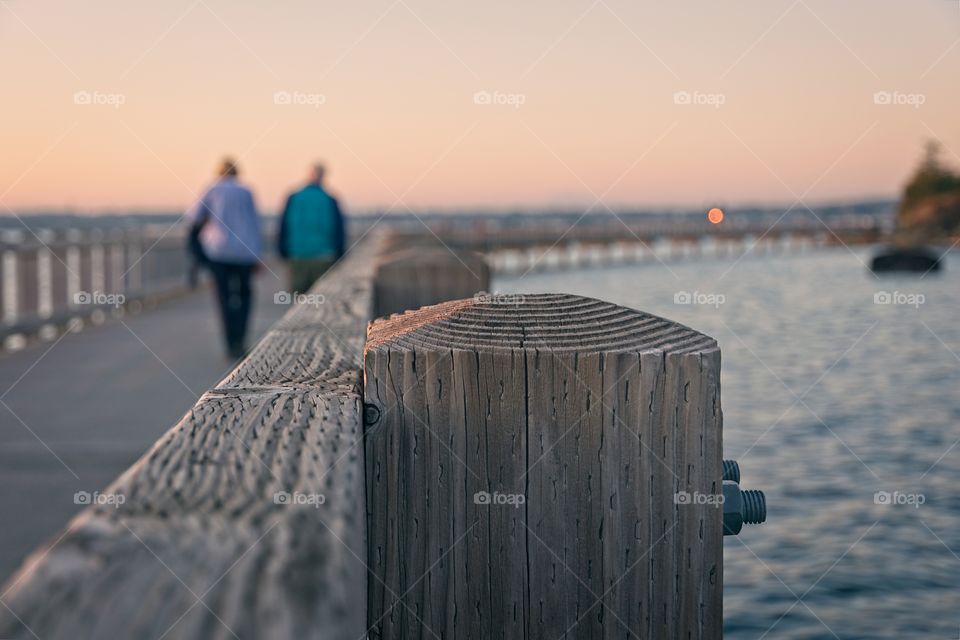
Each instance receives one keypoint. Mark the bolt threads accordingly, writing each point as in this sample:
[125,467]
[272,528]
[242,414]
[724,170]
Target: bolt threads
[731,471]
[754,506]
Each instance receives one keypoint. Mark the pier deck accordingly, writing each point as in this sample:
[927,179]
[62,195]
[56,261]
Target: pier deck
[157,363]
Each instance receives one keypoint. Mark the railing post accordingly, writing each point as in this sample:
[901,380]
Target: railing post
[45,287]
[115,244]
[421,275]
[11,292]
[97,261]
[134,267]
[542,466]
[28,284]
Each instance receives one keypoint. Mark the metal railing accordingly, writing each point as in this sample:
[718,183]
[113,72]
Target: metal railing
[48,278]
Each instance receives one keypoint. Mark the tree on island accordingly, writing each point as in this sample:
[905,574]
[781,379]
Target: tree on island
[930,207]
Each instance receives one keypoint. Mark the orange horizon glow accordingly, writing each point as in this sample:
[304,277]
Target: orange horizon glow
[425,104]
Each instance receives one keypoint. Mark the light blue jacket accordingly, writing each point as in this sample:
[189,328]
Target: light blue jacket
[231,225]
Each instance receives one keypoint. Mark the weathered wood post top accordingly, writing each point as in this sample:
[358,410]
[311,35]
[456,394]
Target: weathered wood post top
[542,466]
[543,321]
[427,273]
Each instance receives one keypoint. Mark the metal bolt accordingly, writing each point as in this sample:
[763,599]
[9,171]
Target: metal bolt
[731,471]
[741,507]
[371,414]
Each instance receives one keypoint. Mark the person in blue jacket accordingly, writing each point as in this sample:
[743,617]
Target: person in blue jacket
[312,235]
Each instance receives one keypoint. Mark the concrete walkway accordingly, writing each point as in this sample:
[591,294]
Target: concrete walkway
[76,412]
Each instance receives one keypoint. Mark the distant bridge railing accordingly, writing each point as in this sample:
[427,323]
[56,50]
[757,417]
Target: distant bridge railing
[554,245]
[50,278]
[490,236]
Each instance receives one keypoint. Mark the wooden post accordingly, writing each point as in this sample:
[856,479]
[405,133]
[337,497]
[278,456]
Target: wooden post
[542,466]
[411,278]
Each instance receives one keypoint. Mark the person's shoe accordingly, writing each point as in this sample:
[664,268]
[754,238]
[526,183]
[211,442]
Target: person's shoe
[237,351]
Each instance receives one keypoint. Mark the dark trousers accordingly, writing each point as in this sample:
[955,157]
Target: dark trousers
[234,298]
[305,271]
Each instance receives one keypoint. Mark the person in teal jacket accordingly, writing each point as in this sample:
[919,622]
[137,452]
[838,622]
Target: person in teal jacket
[312,235]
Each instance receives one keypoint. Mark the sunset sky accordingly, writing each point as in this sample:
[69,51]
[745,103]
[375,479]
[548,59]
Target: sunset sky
[128,105]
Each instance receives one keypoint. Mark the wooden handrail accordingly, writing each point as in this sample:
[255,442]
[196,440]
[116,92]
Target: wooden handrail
[247,518]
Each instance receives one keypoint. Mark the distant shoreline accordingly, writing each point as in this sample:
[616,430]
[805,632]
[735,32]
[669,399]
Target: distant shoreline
[883,209]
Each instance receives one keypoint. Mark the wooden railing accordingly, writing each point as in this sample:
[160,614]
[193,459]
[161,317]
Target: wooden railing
[247,519]
[219,530]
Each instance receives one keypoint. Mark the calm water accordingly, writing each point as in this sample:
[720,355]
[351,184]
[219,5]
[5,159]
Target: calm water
[828,398]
